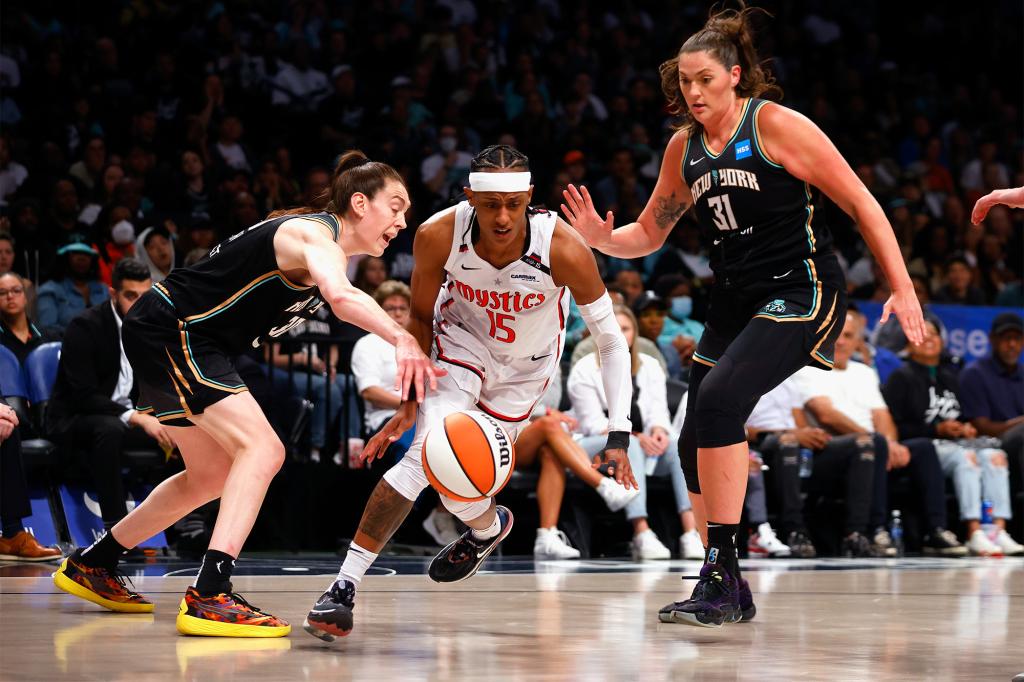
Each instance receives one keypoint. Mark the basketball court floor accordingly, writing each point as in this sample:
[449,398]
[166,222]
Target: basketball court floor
[909,619]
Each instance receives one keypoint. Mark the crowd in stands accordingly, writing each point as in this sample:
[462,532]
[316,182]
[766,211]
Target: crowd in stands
[134,140]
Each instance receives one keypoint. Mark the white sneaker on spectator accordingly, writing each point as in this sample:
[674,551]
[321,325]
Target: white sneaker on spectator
[690,545]
[765,543]
[441,526]
[615,494]
[646,546]
[1009,546]
[552,543]
[980,545]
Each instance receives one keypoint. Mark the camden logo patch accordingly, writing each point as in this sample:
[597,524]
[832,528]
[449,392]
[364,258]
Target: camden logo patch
[776,306]
[742,149]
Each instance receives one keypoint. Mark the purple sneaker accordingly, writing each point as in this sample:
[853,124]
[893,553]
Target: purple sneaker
[715,600]
[747,608]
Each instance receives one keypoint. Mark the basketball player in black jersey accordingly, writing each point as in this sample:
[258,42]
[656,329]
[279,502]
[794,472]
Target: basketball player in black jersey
[180,337]
[778,303]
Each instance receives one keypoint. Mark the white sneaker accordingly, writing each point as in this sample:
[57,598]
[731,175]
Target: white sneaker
[980,545]
[690,545]
[441,526]
[647,546]
[552,543]
[615,494]
[765,543]
[1006,543]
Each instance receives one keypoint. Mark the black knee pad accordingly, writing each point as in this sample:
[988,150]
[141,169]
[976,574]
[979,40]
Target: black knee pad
[722,407]
[688,454]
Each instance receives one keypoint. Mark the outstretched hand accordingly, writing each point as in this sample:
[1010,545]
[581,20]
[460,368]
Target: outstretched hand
[1012,197]
[618,467]
[401,422]
[907,309]
[580,213]
[414,369]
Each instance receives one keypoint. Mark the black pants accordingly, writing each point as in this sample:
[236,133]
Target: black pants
[14,503]
[854,466]
[927,480]
[101,439]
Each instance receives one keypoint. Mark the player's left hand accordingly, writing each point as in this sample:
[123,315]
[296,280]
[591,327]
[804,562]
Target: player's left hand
[401,422]
[618,467]
[907,309]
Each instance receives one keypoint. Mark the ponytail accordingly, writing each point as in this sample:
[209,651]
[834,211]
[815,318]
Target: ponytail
[729,38]
[354,173]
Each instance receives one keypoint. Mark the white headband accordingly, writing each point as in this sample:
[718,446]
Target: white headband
[499,182]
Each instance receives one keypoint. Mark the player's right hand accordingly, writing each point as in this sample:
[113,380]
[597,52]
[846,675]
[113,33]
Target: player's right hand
[618,467]
[401,422]
[580,213]
[414,369]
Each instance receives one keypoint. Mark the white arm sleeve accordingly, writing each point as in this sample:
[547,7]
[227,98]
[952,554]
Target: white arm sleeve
[615,360]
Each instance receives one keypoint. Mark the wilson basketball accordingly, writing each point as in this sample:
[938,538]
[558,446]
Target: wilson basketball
[468,457]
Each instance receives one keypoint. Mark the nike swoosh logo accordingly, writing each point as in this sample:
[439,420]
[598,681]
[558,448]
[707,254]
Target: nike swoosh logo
[319,611]
[481,555]
[256,342]
[694,162]
[539,357]
[717,242]
[465,268]
[781,276]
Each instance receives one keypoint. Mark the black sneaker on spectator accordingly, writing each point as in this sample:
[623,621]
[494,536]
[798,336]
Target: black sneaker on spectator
[881,544]
[800,545]
[856,546]
[942,542]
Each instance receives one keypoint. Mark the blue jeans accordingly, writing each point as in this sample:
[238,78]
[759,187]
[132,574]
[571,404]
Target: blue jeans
[667,465]
[975,482]
[317,394]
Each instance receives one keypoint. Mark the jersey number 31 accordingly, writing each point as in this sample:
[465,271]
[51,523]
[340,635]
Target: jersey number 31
[724,219]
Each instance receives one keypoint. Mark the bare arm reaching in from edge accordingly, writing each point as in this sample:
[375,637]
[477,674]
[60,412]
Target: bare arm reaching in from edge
[430,251]
[1013,197]
[573,266]
[670,200]
[791,140]
[301,249]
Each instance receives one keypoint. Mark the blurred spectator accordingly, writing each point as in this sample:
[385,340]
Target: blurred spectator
[680,329]
[922,395]
[847,401]
[630,284]
[17,332]
[370,274]
[115,239]
[6,252]
[228,152]
[341,113]
[89,169]
[957,287]
[621,192]
[91,409]
[651,449]
[446,171]
[153,247]
[650,311]
[298,86]
[373,359]
[102,194]
[12,173]
[75,285]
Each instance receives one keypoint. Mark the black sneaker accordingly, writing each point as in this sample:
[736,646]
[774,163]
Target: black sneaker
[800,545]
[942,542]
[856,546]
[747,608]
[715,600]
[331,616]
[462,558]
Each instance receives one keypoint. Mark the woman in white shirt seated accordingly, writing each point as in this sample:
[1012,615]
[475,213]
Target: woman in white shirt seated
[651,448]
[373,367]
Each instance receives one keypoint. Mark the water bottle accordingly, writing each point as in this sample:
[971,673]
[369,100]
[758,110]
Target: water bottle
[806,462]
[987,522]
[896,531]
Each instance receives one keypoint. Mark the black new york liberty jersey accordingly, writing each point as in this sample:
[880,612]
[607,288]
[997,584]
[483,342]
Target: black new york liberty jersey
[758,218]
[238,296]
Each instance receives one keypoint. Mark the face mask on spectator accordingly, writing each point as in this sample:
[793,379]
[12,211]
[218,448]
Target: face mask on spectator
[682,306]
[447,144]
[123,233]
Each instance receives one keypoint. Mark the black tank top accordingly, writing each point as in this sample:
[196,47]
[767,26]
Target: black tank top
[757,217]
[238,295]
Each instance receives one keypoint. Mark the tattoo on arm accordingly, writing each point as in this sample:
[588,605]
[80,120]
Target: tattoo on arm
[668,211]
[385,511]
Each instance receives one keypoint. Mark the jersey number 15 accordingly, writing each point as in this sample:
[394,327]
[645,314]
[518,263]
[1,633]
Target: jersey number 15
[500,330]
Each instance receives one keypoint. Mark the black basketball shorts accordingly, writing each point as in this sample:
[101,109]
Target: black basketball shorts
[179,373]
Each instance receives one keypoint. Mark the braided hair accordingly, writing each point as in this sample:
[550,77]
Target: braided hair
[501,157]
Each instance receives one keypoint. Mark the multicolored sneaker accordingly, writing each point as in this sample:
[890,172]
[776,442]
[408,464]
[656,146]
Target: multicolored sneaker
[331,616]
[715,600]
[226,615]
[462,558]
[747,608]
[107,588]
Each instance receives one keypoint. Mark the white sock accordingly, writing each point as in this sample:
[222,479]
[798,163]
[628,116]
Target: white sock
[489,532]
[356,563]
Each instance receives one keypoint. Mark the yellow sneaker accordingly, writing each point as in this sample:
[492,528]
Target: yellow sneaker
[100,586]
[226,615]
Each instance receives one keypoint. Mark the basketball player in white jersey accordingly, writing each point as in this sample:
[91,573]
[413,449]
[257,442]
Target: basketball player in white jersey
[490,296]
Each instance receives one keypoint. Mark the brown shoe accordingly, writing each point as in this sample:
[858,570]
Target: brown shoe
[25,547]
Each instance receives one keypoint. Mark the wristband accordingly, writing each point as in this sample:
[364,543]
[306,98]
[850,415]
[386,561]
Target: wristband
[617,440]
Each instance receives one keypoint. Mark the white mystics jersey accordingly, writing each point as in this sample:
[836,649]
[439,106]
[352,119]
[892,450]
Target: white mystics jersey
[515,312]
